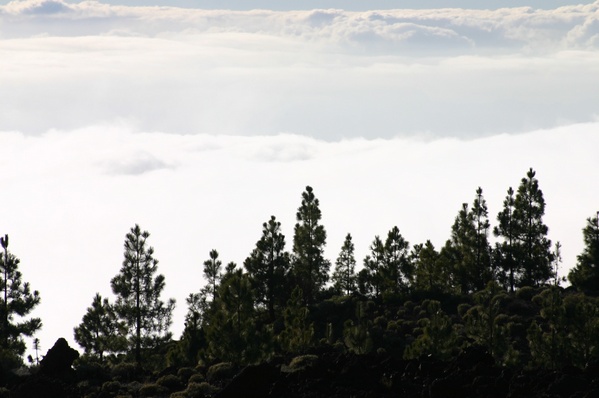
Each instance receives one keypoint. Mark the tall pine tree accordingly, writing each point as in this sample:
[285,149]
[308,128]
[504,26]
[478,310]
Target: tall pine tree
[212,273]
[344,277]
[470,245]
[430,273]
[534,254]
[585,275]
[507,251]
[268,267]
[370,278]
[100,330]
[16,303]
[310,268]
[138,290]
[397,270]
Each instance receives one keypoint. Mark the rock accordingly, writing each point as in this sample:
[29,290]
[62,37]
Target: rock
[58,361]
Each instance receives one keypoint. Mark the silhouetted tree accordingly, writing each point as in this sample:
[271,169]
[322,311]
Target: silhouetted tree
[17,302]
[437,336]
[535,256]
[187,350]
[485,323]
[470,246]
[370,277]
[356,334]
[299,331]
[548,339]
[525,253]
[212,273]
[430,273]
[344,277]
[507,251]
[268,267]
[232,333]
[310,268]
[100,330]
[138,303]
[585,275]
[397,270]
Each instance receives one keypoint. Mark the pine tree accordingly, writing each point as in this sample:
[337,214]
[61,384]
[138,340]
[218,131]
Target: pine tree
[268,267]
[17,302]
[438,336]
[232,331]
[482,248]
[100,330]
[485,324]
[430,273]
[187,350]
[212,273]
[370,277]
[585,275]
[138,303]
[310,268]
[525,253]
[535,255]
[344,277]
[397,270]
[299,331]
[507,251]
[469,246]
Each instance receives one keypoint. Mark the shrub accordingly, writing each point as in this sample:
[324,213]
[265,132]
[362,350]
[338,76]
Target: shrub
[302,362]
[220,371]
[197,378]
[152,390]
[125,371]
[170,382]
[185,373]
[195,390]
[526,293]
[133,388]
[90,370]
[111,387]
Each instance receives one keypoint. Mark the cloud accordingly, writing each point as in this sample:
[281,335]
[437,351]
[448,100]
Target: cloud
[330,74]
[37,7]
[74,194]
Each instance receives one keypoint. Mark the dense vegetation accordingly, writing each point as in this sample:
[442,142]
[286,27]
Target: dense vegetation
[406,301]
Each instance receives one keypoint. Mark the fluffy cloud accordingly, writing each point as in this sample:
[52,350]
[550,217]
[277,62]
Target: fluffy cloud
[324,73]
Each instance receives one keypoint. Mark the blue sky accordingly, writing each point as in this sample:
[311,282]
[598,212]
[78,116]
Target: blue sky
[200,124]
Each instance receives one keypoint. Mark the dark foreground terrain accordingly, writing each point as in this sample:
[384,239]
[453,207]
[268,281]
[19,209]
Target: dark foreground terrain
[325,373]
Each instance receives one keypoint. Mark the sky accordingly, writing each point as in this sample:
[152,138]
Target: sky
[199,123]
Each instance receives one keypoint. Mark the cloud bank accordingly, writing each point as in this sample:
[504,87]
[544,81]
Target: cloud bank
[73,195]
[201,124]
[328,74]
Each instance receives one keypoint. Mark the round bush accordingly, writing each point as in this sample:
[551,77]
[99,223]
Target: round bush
[185,373]
[125,371]
[170,382]
[220,371]
[152,390]
[197,378]
[111,387]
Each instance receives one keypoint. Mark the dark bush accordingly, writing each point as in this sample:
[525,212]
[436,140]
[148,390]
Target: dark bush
[171,382]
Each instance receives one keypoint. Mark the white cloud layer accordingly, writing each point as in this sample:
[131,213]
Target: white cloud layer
[324,73]
[200,124]
[71,196]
